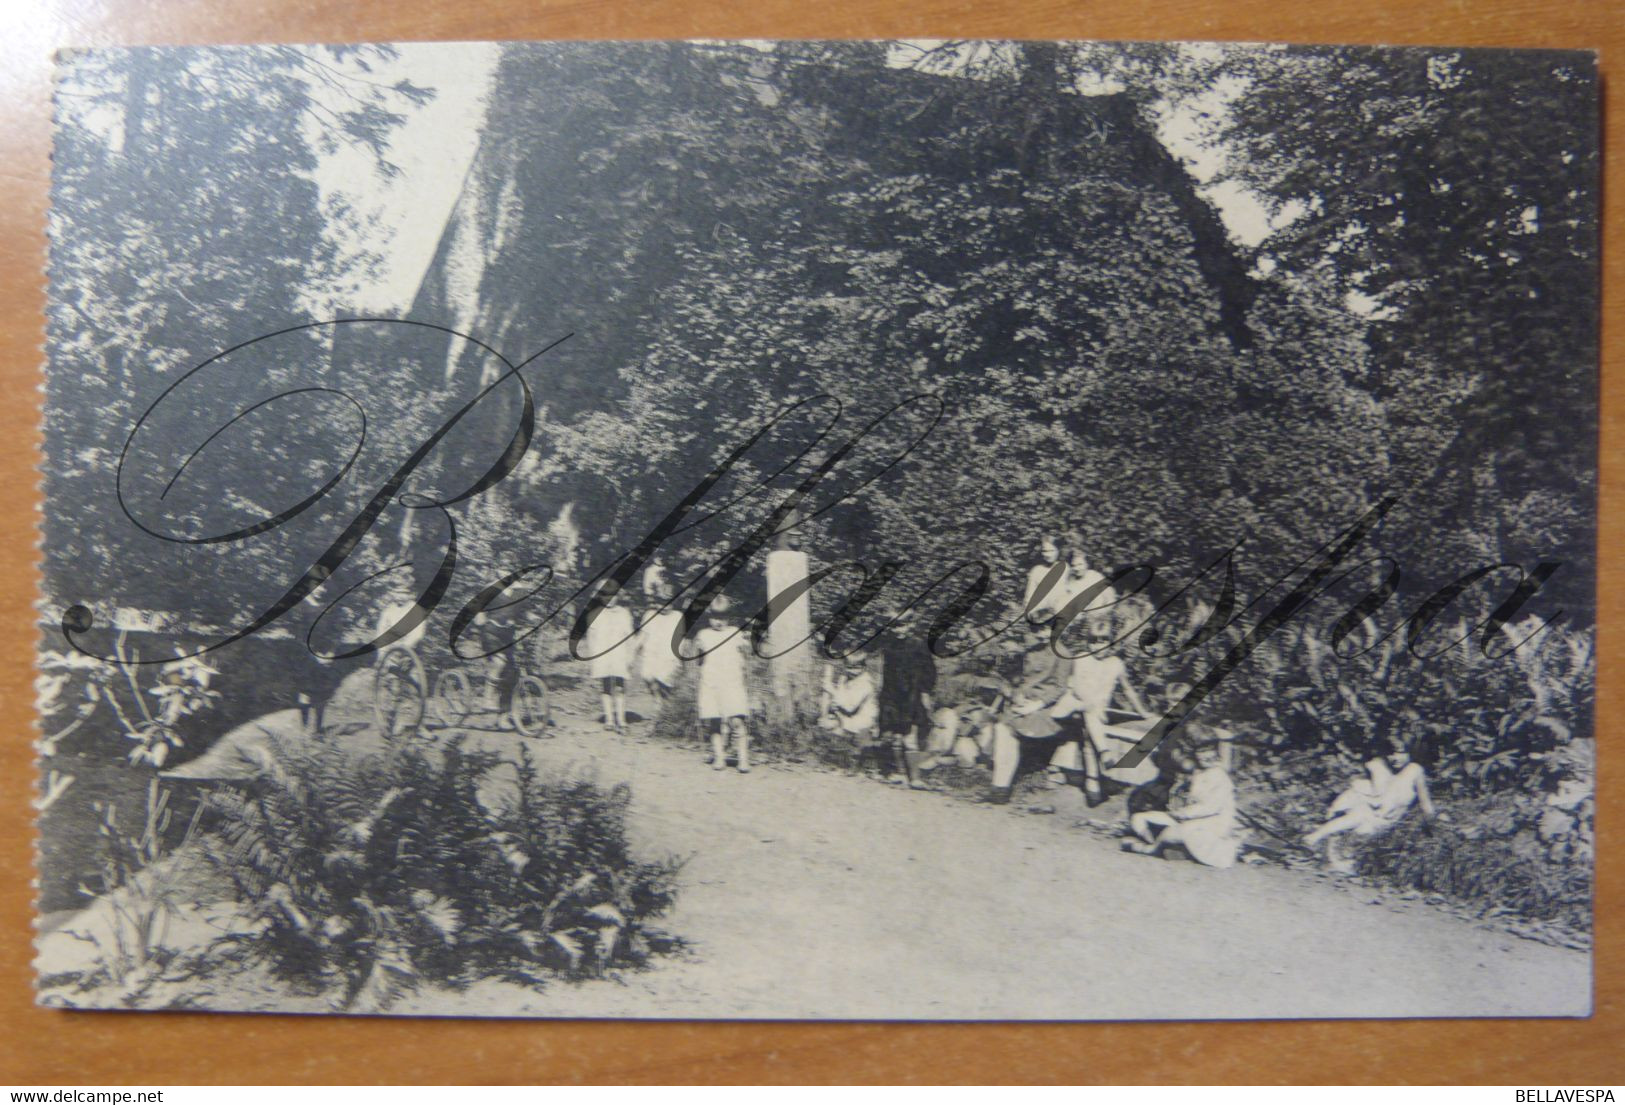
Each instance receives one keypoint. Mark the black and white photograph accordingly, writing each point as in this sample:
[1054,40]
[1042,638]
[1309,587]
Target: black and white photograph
[940,530]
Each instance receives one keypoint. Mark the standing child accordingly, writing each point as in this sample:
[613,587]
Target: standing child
[609,638]
[1096,677]
[657,656]
[723,702]
[908,678]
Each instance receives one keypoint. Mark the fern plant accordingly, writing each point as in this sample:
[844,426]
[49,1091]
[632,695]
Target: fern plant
[366,878]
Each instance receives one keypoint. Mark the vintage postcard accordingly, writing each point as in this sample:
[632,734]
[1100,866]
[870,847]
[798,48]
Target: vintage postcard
[919,530]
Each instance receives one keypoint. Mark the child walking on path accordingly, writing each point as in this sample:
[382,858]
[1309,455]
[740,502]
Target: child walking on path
[723,702]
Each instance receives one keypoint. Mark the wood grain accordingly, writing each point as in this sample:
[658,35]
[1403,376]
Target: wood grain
[50,1047]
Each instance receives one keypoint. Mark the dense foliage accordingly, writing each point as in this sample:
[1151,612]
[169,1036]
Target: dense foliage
[1454,193]
[188,217]
[365,878]
[1078,343]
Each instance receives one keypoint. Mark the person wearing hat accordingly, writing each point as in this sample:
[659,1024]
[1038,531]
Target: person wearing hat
[1201,818]
[723,701]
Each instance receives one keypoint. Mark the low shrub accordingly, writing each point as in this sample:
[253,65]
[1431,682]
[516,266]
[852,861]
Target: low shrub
[1496,873]
[366,877]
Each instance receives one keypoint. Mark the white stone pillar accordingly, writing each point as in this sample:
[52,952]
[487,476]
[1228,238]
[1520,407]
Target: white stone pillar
[791,666]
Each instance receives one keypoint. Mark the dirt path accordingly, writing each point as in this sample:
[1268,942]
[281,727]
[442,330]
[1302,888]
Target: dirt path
[811,893]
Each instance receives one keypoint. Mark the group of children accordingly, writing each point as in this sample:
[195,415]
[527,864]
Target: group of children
[1077,714]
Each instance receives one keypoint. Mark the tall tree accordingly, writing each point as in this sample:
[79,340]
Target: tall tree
[187,218]
[1449,197]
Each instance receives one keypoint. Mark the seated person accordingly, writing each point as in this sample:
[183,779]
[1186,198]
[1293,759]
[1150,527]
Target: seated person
[969,701]
[1375,803]
[1172,758]
[1093,680]
[1201,813]
[1044,677]
[1027,718]
[963,734]
[849,702]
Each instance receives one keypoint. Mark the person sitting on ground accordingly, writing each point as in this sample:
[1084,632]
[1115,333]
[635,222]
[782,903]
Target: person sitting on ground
[1374,804]
[963,733]
[1201,815]
[849,702]
[949,734]
[968,699]
[1172,759]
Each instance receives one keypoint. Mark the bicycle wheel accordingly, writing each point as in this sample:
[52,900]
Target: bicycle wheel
[530,712]
[453,698]
[398,693]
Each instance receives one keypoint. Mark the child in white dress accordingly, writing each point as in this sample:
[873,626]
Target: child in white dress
[609,641]
[657,657]
[1374,804]
[723,702]
[1202,818]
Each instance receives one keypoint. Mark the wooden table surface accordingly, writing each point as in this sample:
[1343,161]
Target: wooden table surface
[65,1049]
